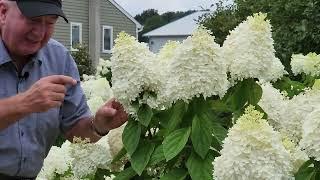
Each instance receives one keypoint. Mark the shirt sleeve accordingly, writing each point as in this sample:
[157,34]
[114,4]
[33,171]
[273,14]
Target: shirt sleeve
[75,104]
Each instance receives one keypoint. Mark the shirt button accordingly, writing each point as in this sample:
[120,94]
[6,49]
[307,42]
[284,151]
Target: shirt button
[24,159]
[22,133]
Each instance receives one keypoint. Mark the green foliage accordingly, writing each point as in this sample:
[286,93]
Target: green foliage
[295,24]
[310,170]
[83,60]
[141,156]
[131,136]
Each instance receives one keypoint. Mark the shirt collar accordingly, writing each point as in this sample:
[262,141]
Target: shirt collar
[5,57]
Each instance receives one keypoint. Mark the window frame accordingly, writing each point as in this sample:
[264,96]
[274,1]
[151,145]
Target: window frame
[111,38]
[71,34]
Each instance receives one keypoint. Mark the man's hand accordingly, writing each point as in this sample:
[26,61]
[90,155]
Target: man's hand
[47,93]
[110,116]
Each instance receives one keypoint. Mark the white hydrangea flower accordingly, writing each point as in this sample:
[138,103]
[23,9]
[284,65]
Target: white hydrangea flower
[253,150]
[109,177]
[310,138]
[58,161]
[87,157]
[309,64]
[115,140]
[298,157]
[294,115]
[103,67]
[273,102]
[95,103]
[97,86]
[132,67]
[250,53]
[197,68]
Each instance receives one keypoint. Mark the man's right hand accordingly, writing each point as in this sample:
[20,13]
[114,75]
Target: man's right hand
[47,93]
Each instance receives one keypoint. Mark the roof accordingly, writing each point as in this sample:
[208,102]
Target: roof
[180,27]
[139,26]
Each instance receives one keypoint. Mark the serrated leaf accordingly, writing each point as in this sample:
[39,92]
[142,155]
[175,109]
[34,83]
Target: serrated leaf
[140,158]
[201,135]
[131,136]
[176,174]
[175,142]
[199,168]
[145,115]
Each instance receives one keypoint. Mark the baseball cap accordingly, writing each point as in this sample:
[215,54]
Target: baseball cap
[35,8]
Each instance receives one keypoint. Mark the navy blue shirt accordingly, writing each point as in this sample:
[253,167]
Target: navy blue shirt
[25,144]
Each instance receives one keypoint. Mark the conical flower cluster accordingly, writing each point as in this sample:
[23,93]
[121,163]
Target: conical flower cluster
[253,150]
[197,68]
[309,64]
[132,70]
[310,135]
[250,53]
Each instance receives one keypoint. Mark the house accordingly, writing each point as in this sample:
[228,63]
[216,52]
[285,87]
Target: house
[95,23]
[177,30]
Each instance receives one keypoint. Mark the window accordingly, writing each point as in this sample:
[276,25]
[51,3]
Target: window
[76,35]
[107,39]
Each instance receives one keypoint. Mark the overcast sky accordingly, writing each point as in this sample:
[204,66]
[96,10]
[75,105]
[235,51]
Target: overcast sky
[135,7]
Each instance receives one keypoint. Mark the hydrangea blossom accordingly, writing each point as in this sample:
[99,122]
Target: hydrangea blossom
[197,68]
[103,67]
[310,137]
[309,64]
[96,87]
[273,102]
[58,161]
[293,116]
[250,53]
[132,67]
[87,157]
[253,150]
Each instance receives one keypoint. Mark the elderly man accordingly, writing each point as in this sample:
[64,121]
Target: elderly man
[40,93]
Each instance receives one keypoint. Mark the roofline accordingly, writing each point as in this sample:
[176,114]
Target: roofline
[146,34]
[166,35]
[139,26]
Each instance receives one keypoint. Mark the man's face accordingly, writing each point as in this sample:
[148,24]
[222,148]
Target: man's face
[24,36]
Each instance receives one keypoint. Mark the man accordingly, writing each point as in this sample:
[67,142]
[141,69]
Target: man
[40,93]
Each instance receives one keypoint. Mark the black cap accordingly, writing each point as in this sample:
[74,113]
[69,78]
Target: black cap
[36,8]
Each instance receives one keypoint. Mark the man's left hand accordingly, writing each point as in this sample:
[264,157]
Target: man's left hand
[110,116]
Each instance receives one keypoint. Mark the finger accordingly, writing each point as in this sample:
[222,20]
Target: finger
[57,96]
[61,79]
[109,112]
[58,88]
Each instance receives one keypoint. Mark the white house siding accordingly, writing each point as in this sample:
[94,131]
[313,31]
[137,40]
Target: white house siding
[156,43]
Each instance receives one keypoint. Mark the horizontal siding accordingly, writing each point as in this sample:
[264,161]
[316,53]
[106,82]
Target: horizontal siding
[112,16]
[76,11]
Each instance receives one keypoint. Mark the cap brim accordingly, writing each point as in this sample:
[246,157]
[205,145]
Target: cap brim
[37,8]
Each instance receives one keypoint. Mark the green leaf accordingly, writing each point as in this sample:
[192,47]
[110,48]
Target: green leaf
[254,92]
[178,111]
[175,142]
[131,136]
[126,174]
[120,154]
[201,135]
[305,171]
[199,168]
[157,155]
[176,174]
[219,106]
[141,156]
[145,115]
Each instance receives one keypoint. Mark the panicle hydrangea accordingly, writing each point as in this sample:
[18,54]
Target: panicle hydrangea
[253,150]
[309,64]
[250,53]
[197,68]
[95,103]
[296,111]
[298,157]
[133,70]
[273,102]
[58,161]
[96,87]
[115,140]
[87,157]
[310,135]
[103,67]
